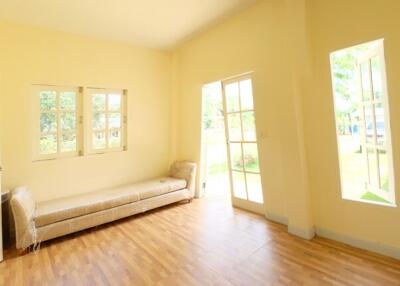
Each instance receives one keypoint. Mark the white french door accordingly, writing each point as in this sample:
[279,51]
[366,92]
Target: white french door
[376,138]
[242,147]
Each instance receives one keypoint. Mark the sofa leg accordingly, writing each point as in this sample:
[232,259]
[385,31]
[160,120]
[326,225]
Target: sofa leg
[190,200]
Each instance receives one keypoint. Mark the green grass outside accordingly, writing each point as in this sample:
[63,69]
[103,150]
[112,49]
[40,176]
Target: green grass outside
[252,167]
[372,197]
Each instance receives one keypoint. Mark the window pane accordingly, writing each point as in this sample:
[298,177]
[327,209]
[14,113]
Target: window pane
[366,81]
[99,140]
[246,95]
[114,102]
[99,121]
[376,77]
[99,102]
[239,185]
[48,122]
[68,121]
[48,100]
[236,156]
[383,170]
[235,131]
[249,127]
[373,167]
[68,142]
[254,187]
[251,157]
[353,167]
[48,144]
[369,124]
[68,100]
[380,124]
[232,97]
[114,139]
[114,120]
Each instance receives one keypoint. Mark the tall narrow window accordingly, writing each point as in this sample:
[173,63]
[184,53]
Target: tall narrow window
[59,122]
[362,123]
[107,120]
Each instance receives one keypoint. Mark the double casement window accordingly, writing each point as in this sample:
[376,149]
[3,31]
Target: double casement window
[61,129]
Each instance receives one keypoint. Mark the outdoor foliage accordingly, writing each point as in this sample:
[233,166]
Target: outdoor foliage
[345,84]
[50,106]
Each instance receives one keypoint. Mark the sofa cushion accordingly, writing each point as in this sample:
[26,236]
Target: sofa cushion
[65,208]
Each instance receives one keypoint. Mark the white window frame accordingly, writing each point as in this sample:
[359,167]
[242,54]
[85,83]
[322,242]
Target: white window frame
[89,92]
[37,89]
[390,196]
[377,51]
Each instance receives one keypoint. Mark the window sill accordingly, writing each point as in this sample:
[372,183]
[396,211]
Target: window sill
[391,205]
[45,159]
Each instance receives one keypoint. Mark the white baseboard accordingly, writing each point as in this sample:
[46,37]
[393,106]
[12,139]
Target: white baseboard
[306,233]
[373,246]
[303,233]
[276,218]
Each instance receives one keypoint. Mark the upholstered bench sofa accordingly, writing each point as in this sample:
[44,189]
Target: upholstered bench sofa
[37,222]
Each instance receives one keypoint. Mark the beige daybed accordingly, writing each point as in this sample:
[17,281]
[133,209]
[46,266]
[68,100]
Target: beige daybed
[36,222]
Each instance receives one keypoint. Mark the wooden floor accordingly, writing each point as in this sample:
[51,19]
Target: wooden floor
[202,243]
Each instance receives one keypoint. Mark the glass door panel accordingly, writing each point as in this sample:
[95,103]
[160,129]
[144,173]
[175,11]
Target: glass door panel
[254,187]
[250,157]
[239,185]
[232,97]
[236,156]
[246,95]
[249,126]
[242,144]
[234,126]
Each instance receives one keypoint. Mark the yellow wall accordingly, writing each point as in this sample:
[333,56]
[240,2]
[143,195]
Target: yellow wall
[335,25]
[30,56]
[254,40]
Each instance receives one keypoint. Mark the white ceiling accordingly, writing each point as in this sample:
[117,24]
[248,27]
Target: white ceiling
[151,23]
